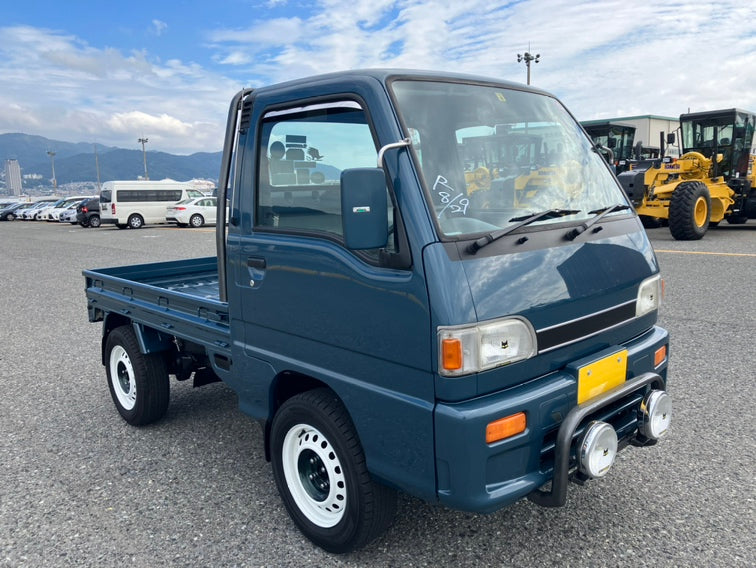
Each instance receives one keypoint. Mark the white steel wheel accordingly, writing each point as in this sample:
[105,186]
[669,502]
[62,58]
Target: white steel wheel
[314,475]
[320,471]
[122,377]
[138,383]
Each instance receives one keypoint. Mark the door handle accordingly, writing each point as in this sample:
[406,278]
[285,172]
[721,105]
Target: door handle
[256,262]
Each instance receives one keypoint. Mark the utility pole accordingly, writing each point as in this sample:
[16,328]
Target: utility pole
[97,167]
[52,159]
[144,155]
[527,58]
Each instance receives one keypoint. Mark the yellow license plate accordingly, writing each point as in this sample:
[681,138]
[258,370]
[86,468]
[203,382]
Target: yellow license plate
[602,375]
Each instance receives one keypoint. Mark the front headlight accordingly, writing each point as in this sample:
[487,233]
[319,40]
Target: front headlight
[472,348]
[649,296]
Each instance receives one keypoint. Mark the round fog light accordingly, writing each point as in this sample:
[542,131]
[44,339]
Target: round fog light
[597,449]
[655,414]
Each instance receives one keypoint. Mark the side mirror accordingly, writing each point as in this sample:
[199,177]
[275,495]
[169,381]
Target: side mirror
[611,142]
[364,208]
[671,138]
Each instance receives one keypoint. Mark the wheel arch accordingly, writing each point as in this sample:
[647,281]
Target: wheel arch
[150,340]
[284,386]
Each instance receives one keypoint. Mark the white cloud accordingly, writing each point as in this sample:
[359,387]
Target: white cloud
[603,59]
[158,27]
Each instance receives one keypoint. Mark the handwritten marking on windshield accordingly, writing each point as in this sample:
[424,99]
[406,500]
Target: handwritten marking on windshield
[454,201]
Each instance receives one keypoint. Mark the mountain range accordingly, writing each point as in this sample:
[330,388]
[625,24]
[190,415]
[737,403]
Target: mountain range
[75,162]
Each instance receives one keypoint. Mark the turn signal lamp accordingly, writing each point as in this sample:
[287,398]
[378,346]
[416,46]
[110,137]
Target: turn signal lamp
[470,349]
[506,427]
[451,354]
[660,355]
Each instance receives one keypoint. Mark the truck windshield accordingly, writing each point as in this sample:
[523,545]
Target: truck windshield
[491,155]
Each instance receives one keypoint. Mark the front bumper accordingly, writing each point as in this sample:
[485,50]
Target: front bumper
[479,477]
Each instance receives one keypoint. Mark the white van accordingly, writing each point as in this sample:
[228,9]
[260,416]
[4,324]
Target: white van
[134,203]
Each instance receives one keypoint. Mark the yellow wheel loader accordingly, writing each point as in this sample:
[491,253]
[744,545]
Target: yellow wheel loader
[713,179]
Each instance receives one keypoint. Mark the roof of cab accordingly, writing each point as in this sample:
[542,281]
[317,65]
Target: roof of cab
[384,75]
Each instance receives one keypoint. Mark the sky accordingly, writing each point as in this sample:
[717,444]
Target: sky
[114,72]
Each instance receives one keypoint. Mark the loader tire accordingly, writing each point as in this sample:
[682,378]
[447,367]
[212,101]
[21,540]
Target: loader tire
[689,211]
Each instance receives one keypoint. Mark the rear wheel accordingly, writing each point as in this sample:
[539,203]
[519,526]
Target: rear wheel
[10,217]
[689,211]
[136,221]
[196,220]
[319,468]
[94,221]
[138,383]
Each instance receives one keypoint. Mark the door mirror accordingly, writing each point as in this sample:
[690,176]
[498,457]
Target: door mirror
[671,138]
[364,208]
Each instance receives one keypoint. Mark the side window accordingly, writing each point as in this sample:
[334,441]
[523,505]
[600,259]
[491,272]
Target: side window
[303,152]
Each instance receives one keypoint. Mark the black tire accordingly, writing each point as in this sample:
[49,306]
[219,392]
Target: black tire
[10,217]
[689,211]
[737,219]
[320,471]
[94,221]
[196,220]
[136,221]
[138,383]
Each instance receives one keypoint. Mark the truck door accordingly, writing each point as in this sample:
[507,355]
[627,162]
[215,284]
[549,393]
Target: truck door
[312,308]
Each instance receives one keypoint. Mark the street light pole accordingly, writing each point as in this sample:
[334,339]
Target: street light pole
[52,159]
[527,58]
[144,155]
[97,167]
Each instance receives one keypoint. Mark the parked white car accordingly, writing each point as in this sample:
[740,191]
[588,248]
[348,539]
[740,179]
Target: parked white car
[69,215]
[52,214]
[194,212]
[32,212]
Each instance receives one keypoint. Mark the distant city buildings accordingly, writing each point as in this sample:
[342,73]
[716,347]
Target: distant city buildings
[13,177]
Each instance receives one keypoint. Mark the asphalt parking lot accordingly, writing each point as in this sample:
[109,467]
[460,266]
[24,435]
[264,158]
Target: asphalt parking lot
[79,487]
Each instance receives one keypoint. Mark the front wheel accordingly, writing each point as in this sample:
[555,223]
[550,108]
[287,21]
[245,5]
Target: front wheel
[319,468]
[138,383]
[689,211]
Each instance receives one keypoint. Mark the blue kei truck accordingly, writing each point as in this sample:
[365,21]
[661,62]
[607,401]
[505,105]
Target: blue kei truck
[425,282]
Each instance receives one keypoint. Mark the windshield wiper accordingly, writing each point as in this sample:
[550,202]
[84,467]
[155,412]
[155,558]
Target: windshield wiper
[598,215]
[521,222]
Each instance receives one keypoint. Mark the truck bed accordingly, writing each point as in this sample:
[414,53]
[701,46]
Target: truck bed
[178,298]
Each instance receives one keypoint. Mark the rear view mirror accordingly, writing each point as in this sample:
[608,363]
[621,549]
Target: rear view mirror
[364,208]
[671,138]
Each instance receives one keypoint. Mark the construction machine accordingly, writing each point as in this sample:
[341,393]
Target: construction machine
[713,179]
[617,137]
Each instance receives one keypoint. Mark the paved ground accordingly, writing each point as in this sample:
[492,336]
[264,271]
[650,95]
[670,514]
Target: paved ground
[79,487]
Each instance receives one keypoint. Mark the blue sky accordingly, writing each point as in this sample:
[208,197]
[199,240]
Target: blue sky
[112,72]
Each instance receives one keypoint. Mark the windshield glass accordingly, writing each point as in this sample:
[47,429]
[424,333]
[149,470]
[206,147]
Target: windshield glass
[491,155]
